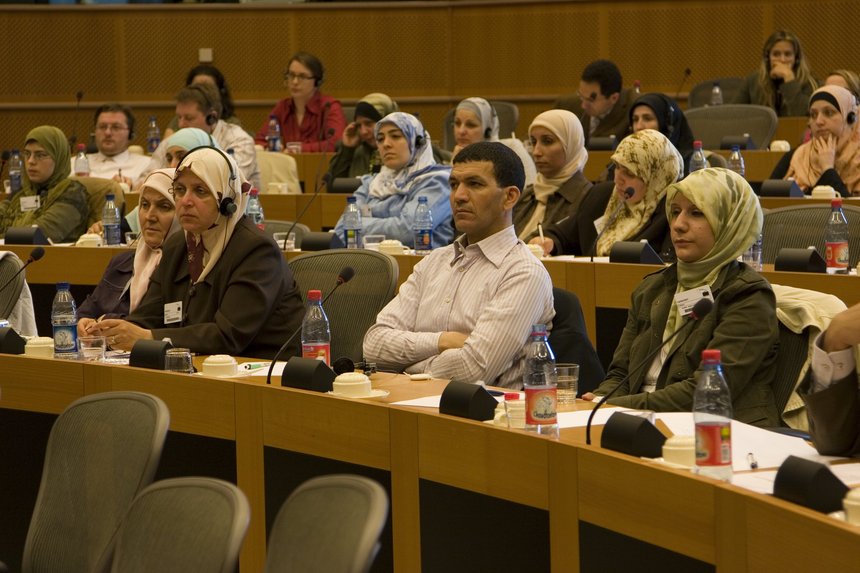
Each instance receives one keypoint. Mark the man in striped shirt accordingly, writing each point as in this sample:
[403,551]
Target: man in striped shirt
[466,311]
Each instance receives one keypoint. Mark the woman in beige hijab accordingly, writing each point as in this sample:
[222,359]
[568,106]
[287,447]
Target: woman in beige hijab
[223,286]
[646,164]
[558,149]
[714,216]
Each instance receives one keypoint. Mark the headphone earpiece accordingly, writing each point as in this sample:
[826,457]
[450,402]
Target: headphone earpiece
[851,118]
[487,133]
[211,118]
[420,140]
[670,125]
[227,206]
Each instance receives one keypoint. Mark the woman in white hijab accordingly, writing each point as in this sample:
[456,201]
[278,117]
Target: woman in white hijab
[475,119]
[223,286]
[389,198]
[127,276]
[558,149]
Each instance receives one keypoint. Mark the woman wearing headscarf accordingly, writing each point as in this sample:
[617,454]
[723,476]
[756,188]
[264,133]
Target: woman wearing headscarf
[356,153]
[222,286]
[48,199]
[714,216]
[475,119]
[558,149]
[659,111]
[831,157]
[646,164]
[783,81]
[388,199]
[127,276]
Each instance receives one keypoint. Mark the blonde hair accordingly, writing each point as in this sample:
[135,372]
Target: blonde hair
[851,78]
[800,67]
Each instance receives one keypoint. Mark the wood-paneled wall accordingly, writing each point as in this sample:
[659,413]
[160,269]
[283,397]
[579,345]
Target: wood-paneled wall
[426,54]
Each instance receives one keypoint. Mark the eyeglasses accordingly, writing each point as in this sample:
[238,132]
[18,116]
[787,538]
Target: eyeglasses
[290,76]
[38,155]
[111,127]
[592,97]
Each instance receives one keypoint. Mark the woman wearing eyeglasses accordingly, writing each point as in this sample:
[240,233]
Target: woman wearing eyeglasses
[48,199]
[307,115]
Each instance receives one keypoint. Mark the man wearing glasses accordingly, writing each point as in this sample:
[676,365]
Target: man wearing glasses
[602,105]
[114,130]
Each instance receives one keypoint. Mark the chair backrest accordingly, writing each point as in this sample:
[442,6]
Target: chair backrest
[803,226]
[509,119]
[711,124]
[329,524]
[715,159]
[9,265]
[278,168]
[274,226]
[349,113]
[102,451]
[183,524]
[353,309]
[97,188]
[569,340]
[700,94]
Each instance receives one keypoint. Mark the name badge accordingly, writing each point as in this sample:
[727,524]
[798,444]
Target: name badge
[31,203]
[599,224]
[687,300]
[173,312]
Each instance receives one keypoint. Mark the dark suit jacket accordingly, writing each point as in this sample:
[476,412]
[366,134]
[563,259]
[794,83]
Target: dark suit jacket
[616,123]
[562,204]
[834,417]
[248,305]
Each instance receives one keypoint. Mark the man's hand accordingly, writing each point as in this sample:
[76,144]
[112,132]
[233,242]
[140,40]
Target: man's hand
[547,245]
[844,330]
[449,340]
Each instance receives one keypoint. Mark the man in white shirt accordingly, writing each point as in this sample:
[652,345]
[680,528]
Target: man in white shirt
[831,392]
[466,311]
[199,105]
[114,129]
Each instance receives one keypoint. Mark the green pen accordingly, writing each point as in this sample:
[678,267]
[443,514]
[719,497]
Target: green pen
[248,366]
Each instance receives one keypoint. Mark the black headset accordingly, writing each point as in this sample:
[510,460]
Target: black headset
[420,140]
[670,124]
[227,206]
[494,118]
[212,114]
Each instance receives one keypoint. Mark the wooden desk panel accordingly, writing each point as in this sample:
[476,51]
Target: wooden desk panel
[39,384]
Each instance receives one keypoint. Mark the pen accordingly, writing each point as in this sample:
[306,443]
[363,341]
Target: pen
[254,365]
[540,232]
[752,461]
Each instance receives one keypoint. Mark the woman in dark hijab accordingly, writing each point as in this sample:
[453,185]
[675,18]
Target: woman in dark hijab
[660,112]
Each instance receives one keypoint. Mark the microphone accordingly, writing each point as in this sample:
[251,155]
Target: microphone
[700,310]
[628,193]
[73,139]
[687,73]
[344,276]
[4,158]
[345,364]
[35,255]
[320,181]
[325,133]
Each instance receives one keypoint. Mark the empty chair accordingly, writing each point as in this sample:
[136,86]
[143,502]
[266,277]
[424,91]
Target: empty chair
[103,449]
[712,124]
[183,524]
[353,309]
[300,229]
[700,94]
[509,118]
[277,168]
[329,524]
[569,340]
[802,226]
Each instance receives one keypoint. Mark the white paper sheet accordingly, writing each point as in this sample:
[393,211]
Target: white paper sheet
[425,402]
[580,419]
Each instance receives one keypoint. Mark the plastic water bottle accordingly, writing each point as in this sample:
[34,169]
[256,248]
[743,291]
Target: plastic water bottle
[111,221]
[153,135]
[637,87]
[254,210]
[273,135]
[64,320]
[736,161]
[698,159]
[836,240]
[352,225]
[712,414]
[539,382]
[716,94]
[423,228]
[82,164]
[752,256]
[16,166]
[316,336]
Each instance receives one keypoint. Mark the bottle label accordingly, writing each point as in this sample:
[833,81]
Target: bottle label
[352,238]
[317,352]
[152,143]
[423,241]
[714,444]
[836,254]
[112,234]
[65,338]
[541,405]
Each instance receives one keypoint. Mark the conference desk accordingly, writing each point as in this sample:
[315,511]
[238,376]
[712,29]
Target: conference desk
[465,495]
[599,286]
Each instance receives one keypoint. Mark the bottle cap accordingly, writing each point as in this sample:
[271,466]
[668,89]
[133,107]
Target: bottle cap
[837,202]
[350,199]
[736,148]
[539,329]
[314,295]
[109,196]
[62,286]
[81,147]
[697,144]
[711,356]
[512,396]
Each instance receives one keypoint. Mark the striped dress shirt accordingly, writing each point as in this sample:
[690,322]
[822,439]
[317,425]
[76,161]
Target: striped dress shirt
[493,291]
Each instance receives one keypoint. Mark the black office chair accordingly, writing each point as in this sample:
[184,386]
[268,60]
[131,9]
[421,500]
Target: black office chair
[569,340]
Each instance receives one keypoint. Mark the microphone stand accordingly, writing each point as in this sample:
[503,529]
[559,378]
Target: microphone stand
[35,255]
